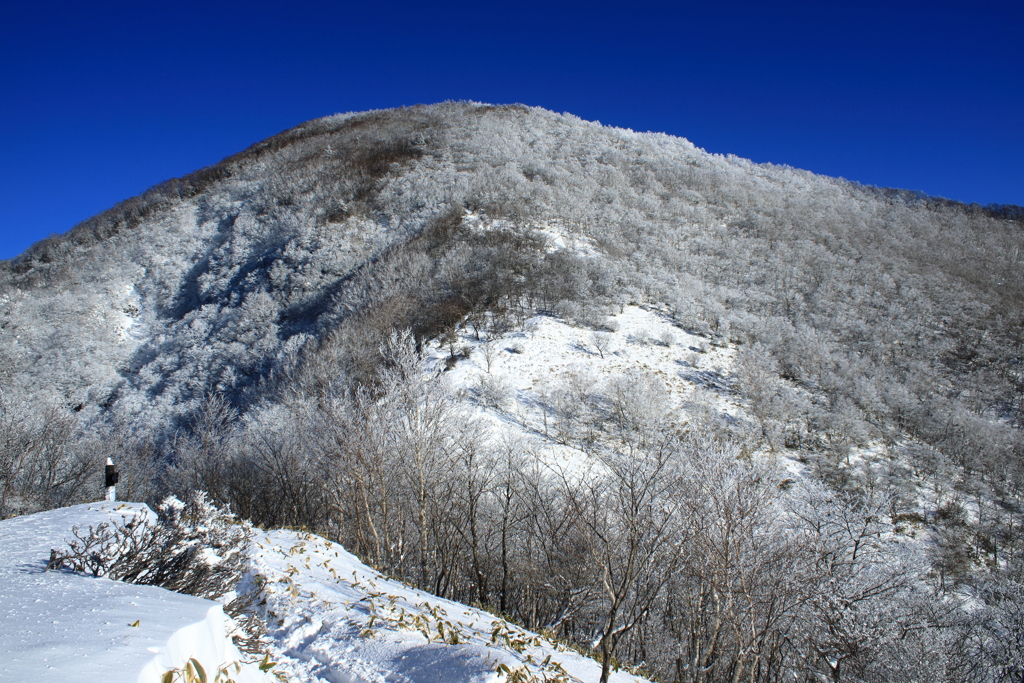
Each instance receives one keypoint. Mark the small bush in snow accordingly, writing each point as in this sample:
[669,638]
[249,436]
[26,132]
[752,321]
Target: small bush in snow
[194,548]
[490,353]
[601,342]
[570,311]
[593,317]
[494,391]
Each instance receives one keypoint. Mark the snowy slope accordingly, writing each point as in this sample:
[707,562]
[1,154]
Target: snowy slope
[551,355]
[642,340]
[334,619]
[329,618]
[60,624]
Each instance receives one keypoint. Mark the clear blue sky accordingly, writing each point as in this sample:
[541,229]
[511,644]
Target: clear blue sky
[99,101]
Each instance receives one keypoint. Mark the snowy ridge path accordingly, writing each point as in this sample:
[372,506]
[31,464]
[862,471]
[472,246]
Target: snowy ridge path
[58,623]
[334,619]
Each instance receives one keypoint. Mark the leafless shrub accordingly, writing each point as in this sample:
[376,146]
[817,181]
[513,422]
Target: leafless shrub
[40,466]
[494,391]
[601,342]
[489,350]
[194,548]
[570,311]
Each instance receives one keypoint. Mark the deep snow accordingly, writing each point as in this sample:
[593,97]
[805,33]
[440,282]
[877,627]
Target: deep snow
[59,624]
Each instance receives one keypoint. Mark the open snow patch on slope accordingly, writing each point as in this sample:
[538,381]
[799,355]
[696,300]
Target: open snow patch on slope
[556,236]
[93,629]
[523,382]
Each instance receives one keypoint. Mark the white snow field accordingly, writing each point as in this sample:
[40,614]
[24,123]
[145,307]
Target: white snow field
[532,364]
[330,618]
[57,624]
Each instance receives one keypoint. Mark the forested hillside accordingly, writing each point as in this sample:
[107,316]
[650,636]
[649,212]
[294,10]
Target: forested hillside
[819,477]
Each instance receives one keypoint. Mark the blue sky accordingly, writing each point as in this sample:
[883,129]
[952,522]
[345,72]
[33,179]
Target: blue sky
[99,101]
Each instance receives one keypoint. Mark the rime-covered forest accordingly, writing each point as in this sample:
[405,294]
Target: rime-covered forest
[264,330]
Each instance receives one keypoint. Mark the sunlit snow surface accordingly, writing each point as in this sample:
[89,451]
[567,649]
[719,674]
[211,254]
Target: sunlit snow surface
[640,340]
[539,359]
[334,619]
[57,624]
[330,618]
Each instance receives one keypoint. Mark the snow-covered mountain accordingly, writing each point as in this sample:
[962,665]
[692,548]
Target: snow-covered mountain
[210,282]
[501,354]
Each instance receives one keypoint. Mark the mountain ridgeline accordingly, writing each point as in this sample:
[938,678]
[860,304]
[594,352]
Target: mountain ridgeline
[253,329]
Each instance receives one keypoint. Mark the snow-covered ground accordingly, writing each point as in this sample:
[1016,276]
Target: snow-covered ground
[530,366]
[57,624]
[330,618]
[334,619]
[643,340]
